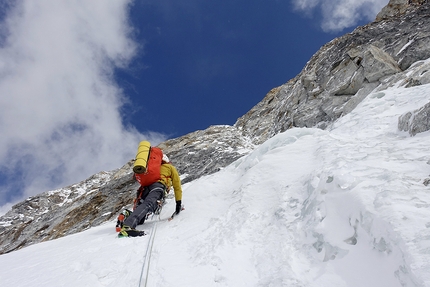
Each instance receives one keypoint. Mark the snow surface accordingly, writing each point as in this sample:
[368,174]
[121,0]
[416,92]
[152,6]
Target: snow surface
[342,207]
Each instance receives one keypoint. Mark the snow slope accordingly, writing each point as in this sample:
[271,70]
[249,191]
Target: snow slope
[342,207]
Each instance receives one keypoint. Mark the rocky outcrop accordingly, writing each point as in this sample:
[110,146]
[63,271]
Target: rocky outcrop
[397,8]
[207,151]
[416,122]
[344,72]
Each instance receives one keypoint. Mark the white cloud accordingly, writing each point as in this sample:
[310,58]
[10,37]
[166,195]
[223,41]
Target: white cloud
[340,14]
[60,118]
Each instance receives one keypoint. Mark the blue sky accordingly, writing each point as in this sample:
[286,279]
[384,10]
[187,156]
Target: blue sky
[82,82]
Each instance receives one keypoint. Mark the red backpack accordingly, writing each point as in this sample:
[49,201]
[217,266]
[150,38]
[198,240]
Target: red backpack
[152,173]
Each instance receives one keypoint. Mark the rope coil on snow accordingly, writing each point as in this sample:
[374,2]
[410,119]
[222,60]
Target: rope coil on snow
[145,267]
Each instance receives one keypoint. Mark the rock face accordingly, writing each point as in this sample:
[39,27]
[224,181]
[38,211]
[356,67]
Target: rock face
[388,52]
[205,152]
[343,72]
[397,7]
[416,121]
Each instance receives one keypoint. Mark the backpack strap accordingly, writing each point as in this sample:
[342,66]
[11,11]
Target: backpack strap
[139,195]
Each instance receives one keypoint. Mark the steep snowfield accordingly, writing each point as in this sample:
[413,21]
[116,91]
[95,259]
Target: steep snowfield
[341,207]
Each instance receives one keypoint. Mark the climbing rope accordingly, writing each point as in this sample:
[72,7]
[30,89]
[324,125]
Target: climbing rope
[146,263]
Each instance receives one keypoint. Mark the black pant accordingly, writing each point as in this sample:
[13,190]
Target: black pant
[149,204]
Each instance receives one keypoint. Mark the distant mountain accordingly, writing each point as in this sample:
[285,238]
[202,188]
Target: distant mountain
[374,57]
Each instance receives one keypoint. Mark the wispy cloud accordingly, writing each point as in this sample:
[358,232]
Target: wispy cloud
[60,115]
[340,14]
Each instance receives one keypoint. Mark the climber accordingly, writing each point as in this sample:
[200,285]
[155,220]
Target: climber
[147,197]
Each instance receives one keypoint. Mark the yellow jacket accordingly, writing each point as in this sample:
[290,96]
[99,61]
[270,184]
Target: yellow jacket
[170,177]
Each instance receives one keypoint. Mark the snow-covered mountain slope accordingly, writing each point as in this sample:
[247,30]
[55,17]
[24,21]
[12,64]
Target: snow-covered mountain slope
[341,207]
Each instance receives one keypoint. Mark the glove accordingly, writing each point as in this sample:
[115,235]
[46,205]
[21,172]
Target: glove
[178,206]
